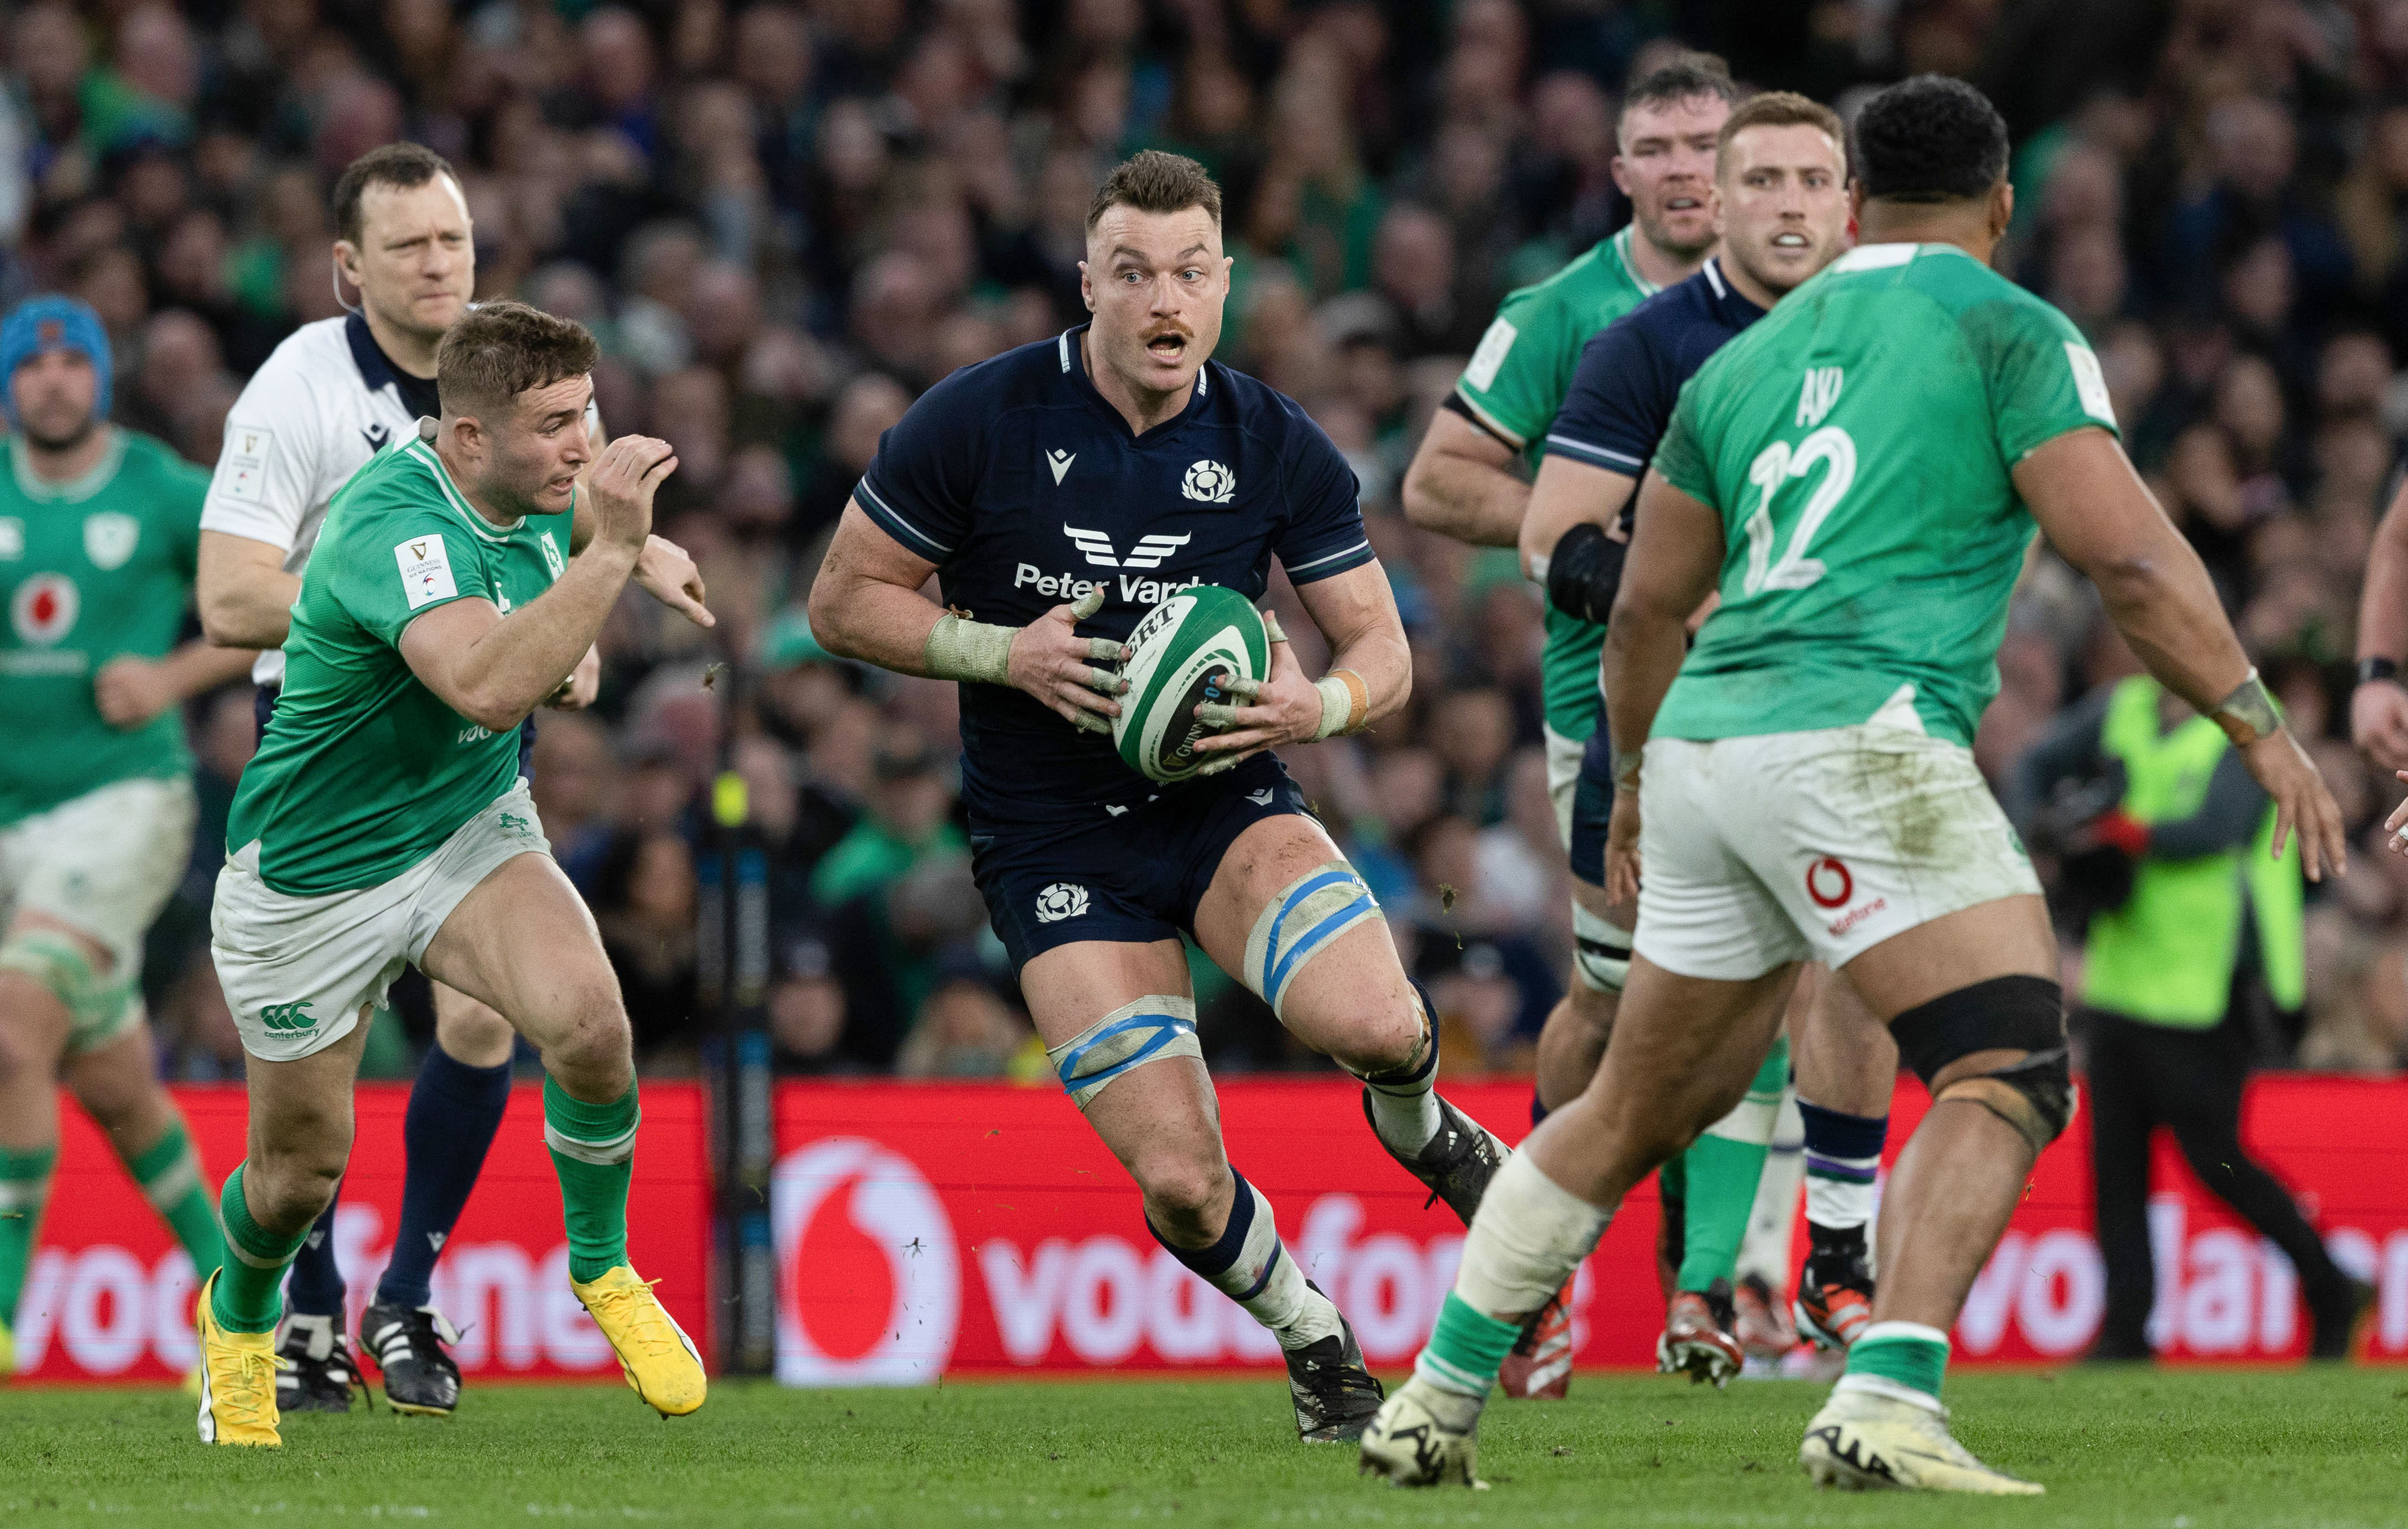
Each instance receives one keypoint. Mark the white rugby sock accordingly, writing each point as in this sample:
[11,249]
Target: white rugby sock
[1531,1235]
[1252,1267]
[1404,1099]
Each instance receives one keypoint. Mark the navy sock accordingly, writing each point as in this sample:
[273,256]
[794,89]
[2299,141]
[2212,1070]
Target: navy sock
[454,1110]
[317,1286]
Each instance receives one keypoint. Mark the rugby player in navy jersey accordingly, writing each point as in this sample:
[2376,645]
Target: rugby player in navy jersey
[1782,210]
[1058,492]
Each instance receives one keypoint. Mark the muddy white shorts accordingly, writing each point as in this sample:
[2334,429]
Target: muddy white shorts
[297,971]
[1812,846]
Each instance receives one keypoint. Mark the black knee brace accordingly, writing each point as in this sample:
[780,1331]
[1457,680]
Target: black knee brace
[2035,1095]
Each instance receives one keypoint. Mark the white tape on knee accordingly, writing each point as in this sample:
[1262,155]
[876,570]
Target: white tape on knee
[1531,1235]
[1600,950]
[1153,1029]
[1300,924]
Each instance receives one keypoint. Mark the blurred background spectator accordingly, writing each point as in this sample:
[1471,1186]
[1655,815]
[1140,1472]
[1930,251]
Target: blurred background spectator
[785,219]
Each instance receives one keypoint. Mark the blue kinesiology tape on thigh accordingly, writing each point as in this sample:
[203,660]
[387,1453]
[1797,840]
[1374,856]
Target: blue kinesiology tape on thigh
[1299,923]
[1153,1029]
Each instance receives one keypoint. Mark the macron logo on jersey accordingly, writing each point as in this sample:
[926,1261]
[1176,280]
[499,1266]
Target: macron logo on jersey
[1150,552]
[425,570]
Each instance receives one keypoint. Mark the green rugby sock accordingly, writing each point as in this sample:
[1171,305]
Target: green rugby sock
[593,1152]
[249,1296]
[1902,1353]
[1466,1348]
[169,1173]
[1721,1169]
[25,1189]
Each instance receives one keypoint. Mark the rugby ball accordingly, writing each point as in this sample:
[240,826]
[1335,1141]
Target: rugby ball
[1176,656]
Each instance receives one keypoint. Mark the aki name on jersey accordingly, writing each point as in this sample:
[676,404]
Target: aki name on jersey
[1026,489]
[90,570]
[1512,387]
[1859,443]
[363,771]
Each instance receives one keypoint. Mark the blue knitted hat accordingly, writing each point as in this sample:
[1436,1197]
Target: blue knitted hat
[53,323]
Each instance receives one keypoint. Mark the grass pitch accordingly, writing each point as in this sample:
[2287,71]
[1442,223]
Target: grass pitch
[2178,1450]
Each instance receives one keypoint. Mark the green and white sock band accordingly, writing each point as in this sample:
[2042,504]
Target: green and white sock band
[1465,1350]
[1905,1361]
[602,1134]
[249,1296]
[169,1171]
[25,1179]
[1754,1120]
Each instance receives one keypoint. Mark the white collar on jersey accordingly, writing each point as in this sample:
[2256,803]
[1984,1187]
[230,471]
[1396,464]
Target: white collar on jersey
[75,491]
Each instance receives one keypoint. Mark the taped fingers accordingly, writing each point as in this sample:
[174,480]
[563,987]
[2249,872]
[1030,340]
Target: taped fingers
[1154,1028]
[1298,924]
[1087,605]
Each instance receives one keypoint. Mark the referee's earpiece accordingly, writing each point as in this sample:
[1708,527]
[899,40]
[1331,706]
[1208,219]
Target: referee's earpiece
[337,262]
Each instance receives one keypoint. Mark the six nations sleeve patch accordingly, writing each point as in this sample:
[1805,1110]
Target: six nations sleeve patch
[425,570]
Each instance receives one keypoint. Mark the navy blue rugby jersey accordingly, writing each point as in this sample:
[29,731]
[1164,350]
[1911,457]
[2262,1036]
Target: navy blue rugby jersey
[1026,489]
[1631,371]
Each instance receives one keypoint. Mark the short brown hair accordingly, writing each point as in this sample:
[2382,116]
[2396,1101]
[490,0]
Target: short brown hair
[400,165]
[498,350]
[1685,76]
[1782,109]
[1151,180]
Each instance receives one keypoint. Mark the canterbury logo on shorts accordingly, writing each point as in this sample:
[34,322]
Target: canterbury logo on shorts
[289,1016]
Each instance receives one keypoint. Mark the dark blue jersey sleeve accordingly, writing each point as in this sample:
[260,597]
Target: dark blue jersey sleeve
[1620,403]
[920,485]
[1324,534]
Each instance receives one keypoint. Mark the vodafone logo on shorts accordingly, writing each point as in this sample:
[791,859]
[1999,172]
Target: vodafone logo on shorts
[869,1277]
[45,608]
[1829,883]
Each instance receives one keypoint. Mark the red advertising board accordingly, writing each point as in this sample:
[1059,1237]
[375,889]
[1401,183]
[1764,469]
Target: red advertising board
[109,1293]
[927,1229]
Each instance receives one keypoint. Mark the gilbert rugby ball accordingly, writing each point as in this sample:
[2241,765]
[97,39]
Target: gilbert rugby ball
[1176,657]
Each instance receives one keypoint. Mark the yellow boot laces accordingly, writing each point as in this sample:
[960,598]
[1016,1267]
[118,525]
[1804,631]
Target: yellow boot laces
[639,1314]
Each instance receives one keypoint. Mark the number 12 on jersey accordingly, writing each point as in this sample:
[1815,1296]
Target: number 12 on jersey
[1775,467]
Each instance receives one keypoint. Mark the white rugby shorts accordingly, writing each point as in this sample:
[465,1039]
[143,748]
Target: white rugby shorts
[1563,779]
[1812,846]
[297,971]
[104,864]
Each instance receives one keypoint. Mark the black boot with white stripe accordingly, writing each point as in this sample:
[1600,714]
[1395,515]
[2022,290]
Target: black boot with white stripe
[408,1344]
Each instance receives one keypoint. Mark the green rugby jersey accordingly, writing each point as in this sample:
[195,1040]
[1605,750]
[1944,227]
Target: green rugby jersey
[1513,384]
[1858,442]
[364,772]
[90,570]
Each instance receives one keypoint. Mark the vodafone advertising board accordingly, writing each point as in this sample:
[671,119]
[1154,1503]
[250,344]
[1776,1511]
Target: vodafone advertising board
[928,1229]
[109,1295]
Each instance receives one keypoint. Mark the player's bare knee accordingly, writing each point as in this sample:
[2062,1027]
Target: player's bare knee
[1384,1042]
[1182,1192]
[2000,1045]
[472,1032]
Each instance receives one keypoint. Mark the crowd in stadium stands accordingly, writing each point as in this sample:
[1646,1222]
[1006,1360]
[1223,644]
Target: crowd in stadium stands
[785,219]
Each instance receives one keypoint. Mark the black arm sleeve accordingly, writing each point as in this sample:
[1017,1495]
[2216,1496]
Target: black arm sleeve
[2226,820]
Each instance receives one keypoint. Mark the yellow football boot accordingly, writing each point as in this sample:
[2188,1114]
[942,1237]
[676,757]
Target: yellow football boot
[8,1351]
[237,1380]
[660,1363]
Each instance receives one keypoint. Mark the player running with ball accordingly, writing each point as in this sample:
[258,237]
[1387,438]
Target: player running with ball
[384,821]
[1859,475]
[1102,469]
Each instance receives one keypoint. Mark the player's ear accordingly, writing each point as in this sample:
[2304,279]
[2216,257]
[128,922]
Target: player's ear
[2002,207]
[1086,288]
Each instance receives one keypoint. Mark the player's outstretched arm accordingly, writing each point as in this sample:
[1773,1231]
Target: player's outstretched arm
[1581,573]
[1675,551]
[1370,673]
[2103,519]
[243,592]
[495,669]
[1462,485]
[866,603]
[2378,707]
[129,690]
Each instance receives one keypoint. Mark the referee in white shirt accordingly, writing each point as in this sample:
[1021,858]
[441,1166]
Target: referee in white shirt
[333,395]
